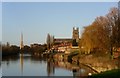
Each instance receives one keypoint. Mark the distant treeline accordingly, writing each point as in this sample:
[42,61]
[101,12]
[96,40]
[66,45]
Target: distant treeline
[10,50]
[15,50]
[34,48]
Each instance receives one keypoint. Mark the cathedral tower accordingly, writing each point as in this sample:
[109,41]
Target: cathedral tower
[75,34]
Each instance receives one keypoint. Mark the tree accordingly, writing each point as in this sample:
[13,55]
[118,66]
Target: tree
[103,33]
[50,41]
[26,49]
[114,29]
[86,39]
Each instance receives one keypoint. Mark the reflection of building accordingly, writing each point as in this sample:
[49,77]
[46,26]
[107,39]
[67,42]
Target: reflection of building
[21,62]
[21,42]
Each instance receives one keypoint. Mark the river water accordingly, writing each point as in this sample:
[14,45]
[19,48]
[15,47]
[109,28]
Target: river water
[27,65]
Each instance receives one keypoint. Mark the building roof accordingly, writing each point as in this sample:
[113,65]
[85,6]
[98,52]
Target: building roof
[62,39]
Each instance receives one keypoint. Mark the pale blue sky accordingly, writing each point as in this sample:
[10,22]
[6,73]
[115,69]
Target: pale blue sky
[0,21]
[35,20]
[59,0]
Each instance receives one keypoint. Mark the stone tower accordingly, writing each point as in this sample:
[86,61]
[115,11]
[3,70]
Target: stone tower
[21,41]
[75,34]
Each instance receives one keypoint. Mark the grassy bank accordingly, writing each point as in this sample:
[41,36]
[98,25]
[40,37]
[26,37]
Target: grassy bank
[112,73]
[100,62]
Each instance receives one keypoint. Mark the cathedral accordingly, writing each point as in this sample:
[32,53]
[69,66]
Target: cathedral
[68,41]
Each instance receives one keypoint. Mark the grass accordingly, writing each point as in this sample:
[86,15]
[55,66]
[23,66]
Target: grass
[112,73]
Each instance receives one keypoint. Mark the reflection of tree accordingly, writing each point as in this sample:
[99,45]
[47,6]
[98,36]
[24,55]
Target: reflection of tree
[7,63]
[74,72]
[50,67]
[10,58]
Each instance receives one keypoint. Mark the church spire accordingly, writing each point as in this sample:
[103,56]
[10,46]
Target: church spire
[21,41]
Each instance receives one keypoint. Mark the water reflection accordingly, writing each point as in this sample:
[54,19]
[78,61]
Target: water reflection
[50,67]
[21,63]
[28,65]
[6,60]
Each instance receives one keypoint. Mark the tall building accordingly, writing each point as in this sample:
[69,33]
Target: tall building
[75,34]
[21,41]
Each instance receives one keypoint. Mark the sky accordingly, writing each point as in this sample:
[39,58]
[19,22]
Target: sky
[0,21]
[36,19]
[59,0]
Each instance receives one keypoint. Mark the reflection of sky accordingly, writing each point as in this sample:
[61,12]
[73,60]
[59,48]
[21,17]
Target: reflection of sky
[0,72]
[63,72]
[30,68]
[33,66]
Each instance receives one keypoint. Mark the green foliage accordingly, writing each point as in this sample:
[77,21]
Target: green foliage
[112,74]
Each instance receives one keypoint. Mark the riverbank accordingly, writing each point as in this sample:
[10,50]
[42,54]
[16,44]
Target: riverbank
[112,73]
[98,62]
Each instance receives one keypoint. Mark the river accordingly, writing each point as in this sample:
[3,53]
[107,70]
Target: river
[27,65]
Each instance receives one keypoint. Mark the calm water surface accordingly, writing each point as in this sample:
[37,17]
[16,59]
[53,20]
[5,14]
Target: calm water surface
[27,65]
